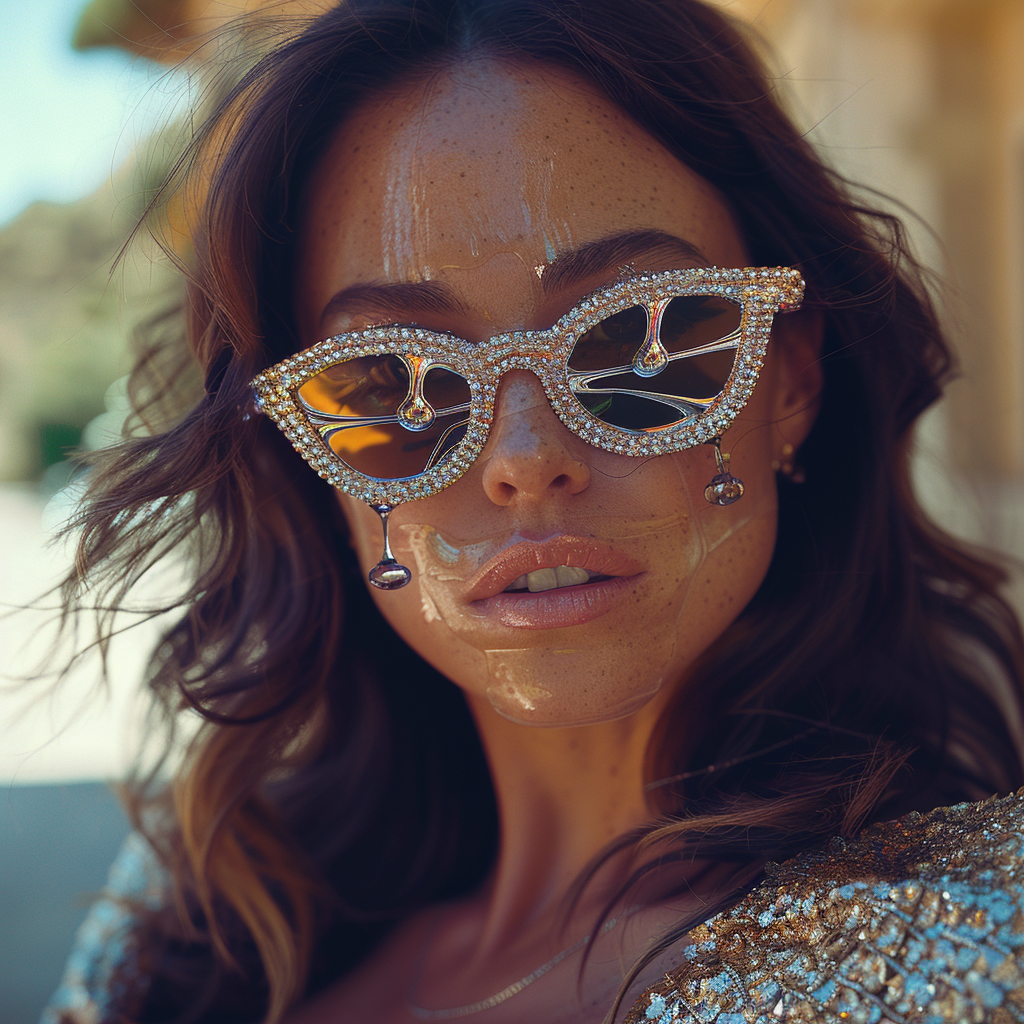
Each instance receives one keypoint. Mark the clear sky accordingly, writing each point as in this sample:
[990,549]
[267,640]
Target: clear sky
[68,119]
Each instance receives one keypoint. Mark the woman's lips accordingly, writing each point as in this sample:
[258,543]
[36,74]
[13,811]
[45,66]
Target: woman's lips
[554,609]
[551,609]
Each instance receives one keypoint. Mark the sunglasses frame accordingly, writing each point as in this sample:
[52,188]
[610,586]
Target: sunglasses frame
[760,292]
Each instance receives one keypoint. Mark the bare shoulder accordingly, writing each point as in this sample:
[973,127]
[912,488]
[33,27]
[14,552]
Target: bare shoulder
[918,918]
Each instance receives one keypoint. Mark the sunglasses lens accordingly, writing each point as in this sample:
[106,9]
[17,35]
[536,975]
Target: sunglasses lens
[373,388]
[368,386]
[612,342]
[688,378]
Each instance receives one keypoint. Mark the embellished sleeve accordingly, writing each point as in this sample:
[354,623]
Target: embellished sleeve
[103,966]
[917,921]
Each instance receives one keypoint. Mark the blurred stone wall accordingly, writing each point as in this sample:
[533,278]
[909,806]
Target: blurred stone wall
[924,101]
[68,306]
[66,314]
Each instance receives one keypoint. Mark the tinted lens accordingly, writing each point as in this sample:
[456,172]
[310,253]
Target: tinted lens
[444,389]
[368,386]
[376,386]
[612,342]
[631,401]
[630,411]
[691,321]
[389,451]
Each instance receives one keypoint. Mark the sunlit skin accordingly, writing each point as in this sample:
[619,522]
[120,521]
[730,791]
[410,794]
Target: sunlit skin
[476,180]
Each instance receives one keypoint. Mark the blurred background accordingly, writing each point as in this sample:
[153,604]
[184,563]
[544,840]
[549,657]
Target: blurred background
[920,99]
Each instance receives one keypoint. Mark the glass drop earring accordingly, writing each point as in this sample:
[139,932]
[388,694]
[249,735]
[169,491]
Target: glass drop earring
[388,573]
[724,488]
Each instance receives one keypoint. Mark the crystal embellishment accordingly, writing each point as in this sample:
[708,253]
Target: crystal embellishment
[760,293]
[916,921]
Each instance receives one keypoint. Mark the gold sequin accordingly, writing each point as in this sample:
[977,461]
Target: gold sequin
[918,920]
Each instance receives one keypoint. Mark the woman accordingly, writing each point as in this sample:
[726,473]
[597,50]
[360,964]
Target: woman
[674,661]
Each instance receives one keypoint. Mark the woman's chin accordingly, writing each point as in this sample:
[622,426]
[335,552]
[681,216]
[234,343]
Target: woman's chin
[565,687]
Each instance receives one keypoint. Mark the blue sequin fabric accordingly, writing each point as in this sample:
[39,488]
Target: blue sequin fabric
[101,965]
[919,920]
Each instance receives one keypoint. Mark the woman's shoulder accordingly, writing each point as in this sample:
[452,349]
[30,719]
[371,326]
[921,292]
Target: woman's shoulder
[103,960]
[919,919]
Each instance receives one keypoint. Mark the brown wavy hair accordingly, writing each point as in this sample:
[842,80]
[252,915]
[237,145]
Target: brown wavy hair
[331,792]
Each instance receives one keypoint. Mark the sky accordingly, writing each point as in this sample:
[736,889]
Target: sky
[67,119]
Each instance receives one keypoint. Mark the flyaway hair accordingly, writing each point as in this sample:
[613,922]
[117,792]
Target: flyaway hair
[329,794]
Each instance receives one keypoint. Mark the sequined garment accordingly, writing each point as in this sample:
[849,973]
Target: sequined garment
[919,920]
[102,964]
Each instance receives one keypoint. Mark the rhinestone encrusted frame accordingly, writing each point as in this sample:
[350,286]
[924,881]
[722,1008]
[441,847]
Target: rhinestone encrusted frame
[760,292]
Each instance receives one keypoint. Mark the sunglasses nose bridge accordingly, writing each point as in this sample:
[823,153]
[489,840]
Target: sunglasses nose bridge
[531,351]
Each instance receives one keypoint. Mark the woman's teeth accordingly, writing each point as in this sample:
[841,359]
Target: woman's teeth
[550,579]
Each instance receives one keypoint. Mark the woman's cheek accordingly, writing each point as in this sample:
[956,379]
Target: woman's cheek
[702,563]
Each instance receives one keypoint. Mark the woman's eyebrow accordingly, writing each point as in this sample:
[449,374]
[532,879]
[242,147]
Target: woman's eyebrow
[575,265]
[398,298]
[567,268]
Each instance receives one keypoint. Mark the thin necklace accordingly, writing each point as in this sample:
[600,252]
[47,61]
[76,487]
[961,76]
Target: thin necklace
[450,1013]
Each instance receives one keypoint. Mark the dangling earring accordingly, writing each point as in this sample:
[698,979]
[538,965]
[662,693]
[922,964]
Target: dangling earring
[388,573]
[724,488]
[791,470]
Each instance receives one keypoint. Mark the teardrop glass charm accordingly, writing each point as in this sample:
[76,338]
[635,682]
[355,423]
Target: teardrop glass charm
[724,488]
[388,573]
[652,357]
[416,413]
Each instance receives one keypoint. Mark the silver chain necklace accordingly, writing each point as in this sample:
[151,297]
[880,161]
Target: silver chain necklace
[450,1013]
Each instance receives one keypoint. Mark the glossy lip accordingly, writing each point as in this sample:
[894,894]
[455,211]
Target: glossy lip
[558,608]
[524,557]
[551,608]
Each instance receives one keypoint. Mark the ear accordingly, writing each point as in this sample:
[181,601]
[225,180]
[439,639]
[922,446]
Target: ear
[796,353]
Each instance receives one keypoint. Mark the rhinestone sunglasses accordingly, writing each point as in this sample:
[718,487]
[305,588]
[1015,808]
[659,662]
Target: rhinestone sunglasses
[651,364]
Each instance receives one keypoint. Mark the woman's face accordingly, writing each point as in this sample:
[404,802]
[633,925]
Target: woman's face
[564,584]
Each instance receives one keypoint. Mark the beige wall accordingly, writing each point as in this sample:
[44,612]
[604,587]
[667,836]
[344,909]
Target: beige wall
[924,100]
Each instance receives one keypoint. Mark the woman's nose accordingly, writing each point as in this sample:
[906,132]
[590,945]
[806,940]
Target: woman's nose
[530,452]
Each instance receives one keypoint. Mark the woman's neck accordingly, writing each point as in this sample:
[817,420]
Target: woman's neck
[563,795]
